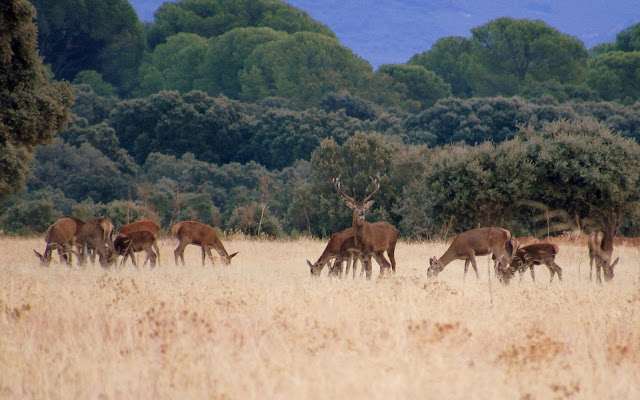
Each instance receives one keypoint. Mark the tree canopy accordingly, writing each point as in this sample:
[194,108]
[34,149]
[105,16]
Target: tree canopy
[33,108]
[209,18]
[99,35]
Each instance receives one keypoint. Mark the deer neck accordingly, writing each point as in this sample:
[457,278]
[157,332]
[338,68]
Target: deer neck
[446,258]
[358,228]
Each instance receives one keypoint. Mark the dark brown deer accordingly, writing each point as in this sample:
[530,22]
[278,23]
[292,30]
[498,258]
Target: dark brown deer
[601,250]
[341,247]
[97,235]
[476,242]
[530,256]
[371,240]
[205,236]
[62,236]
[144,225]
[128,244]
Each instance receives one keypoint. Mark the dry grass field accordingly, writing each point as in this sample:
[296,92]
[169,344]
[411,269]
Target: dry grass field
[263,328]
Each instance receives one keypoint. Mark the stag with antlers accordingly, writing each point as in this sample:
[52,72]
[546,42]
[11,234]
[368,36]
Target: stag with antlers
[371,239]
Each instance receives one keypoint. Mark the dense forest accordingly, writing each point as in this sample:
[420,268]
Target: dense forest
[239,113]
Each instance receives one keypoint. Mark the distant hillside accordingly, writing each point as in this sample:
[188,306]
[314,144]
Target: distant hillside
[391,31]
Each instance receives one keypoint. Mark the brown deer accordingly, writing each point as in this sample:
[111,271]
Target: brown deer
[64,234]
[476,242]
[205,236]
[371,240]
[601,250]
[97,235]
[529,256]
[341,247]
[144,225]
[128,244]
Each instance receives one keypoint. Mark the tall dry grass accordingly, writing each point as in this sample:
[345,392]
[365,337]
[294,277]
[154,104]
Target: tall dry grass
[263,328]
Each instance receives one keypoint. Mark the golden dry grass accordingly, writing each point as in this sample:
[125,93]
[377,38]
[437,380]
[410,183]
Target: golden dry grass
[263,328]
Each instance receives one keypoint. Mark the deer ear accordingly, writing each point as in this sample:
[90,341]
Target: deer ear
[614,264]
[350,204]
[233,255]
[38,255]
[368,204]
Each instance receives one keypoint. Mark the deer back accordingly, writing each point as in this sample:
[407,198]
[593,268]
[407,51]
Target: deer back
[142,225]
[64,230]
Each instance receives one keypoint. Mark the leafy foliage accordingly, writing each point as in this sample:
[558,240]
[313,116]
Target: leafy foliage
[32,106]
[209,18]
[101,35]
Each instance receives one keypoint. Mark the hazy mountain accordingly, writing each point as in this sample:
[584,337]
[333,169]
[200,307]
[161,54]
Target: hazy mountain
[391,31]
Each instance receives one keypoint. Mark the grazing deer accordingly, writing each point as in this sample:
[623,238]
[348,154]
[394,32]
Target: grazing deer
[601,250]
[128,244]
[62,236]
[529,256]
[144,225]
[341,247]
[205,236]
[371,240]
[97,235]
[477,242]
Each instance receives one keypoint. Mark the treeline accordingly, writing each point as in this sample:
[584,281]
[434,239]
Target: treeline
[250,50]
[263,168]
[239,113]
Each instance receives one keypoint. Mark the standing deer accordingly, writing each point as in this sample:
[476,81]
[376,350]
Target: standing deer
[144,225]
[205,236]
[371,240]
[601,250]
[476,242]
[341,247]
[529,256]
[62,236]
[128,244]
[97,235]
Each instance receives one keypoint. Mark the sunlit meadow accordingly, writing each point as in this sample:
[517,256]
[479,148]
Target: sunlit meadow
[263,328]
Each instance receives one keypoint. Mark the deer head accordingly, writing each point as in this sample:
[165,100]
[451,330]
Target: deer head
[227,259]
[358,207]
[608,270]
[316,268]
[435,267]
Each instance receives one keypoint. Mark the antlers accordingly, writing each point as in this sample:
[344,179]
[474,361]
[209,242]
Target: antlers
[376,182]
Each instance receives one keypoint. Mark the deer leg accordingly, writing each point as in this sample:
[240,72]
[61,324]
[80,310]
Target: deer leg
[157,250]
[153,258]
[363,265]
[385,266]
[532,268]
[558,270]
[598,267]
[368,268]
[348,267]
[336,270]
[354,260]
[466,268]
[213,262]
[179,252]
[391,253]
[474,265]
[591,265]
[132,257]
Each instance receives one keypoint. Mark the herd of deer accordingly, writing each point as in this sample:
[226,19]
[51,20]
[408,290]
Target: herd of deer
[94,238]
[364,240]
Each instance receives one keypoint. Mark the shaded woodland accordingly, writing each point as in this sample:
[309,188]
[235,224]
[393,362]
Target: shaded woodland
[239,113]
